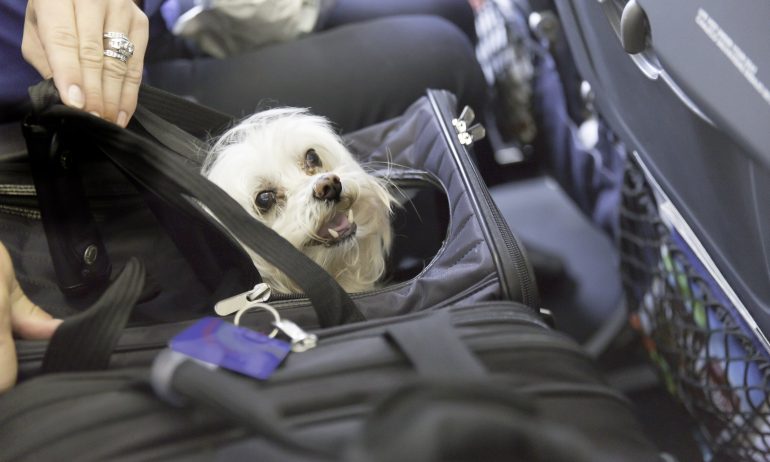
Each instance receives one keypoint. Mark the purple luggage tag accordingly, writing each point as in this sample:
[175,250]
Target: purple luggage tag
[238,349]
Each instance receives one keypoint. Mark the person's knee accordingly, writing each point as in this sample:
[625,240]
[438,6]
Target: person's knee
[458,12]
[442,57]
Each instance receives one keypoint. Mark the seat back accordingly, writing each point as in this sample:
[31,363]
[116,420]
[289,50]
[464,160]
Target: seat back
[685,86]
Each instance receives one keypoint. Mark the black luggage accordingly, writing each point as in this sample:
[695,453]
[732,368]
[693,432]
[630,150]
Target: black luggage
[477,382]
[684,86]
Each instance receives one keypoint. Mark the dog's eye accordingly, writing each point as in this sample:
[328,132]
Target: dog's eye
[311,159]
[265,200]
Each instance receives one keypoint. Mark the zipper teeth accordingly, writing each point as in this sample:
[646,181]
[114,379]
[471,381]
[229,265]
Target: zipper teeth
[480,342]
[17,190]
[528,290]
[463,317]
[468,319]
[20,211]
[514,251]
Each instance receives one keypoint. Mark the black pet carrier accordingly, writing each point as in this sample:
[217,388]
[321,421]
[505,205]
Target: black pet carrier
[451,244]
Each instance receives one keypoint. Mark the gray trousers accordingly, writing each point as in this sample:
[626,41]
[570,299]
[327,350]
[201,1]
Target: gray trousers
[356,71]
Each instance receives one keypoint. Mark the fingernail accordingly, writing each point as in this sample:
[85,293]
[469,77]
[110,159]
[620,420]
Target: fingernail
[95,114]
[122,118]
[76,96]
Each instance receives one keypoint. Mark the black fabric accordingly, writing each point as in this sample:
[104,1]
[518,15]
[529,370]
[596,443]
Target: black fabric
[85,341]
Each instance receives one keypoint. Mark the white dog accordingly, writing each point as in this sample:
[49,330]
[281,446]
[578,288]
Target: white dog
[290,171]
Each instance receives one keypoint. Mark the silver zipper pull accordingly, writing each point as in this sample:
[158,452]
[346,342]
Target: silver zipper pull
[474,134]
[462,122]
[466,133]
[300,340]
[259,294]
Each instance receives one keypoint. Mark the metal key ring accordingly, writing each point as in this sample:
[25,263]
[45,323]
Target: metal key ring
[259,305]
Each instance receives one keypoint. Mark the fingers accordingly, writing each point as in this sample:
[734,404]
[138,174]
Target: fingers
[8,365]
[64,39]
[139,35]
[90,19]
[57,31]
[118,20]
[28,320]
[31,48]
[17,314]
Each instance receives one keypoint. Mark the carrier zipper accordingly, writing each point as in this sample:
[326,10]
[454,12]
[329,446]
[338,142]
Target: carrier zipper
[500,236]
[20,200]
[493,311]
[488,312]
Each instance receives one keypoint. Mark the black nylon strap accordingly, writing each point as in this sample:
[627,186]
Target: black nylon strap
[238,400]
[170,177]
[435,349]
[200,121]
[86,341]
[171,136]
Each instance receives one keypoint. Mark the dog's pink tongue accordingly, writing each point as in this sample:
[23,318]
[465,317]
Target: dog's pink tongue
[339,223]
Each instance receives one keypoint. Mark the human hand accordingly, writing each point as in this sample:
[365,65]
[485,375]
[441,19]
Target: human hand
[63,39]
[17,314]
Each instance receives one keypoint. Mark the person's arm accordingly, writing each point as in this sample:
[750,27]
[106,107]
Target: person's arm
[17,315]
[64,39]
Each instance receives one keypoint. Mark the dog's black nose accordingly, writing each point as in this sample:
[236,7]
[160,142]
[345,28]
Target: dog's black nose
[327,187]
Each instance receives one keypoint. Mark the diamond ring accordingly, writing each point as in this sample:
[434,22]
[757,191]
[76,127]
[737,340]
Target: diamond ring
[118,46]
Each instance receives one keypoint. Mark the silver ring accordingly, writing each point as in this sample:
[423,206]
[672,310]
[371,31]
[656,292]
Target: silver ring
[113,54]
[258,305]
[118,44]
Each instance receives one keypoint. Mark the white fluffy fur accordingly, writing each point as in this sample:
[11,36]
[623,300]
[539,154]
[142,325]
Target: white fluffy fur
[267,151]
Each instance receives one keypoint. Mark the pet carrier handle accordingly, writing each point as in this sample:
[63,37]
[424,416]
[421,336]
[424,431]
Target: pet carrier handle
[435,349]
[179,380]
[79,257]
[171,178]
[86,341]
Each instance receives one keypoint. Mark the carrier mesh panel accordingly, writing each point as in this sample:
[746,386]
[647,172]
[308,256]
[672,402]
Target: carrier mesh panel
[692,332]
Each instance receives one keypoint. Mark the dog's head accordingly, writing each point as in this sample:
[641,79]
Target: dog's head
[291,171]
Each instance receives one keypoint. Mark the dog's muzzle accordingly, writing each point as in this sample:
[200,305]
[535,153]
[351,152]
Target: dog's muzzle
[327,187]
[339,227]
